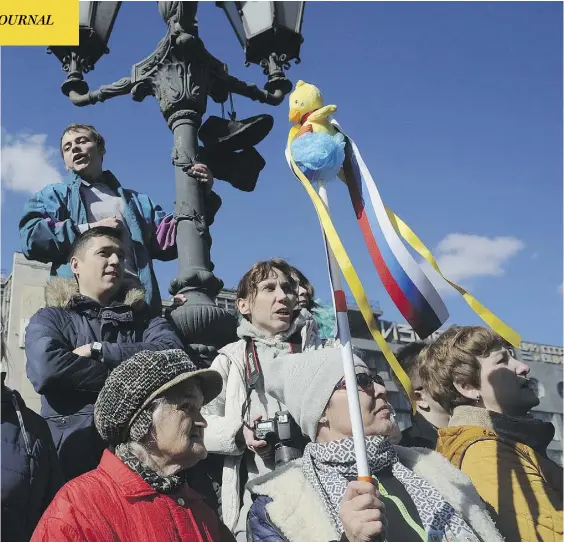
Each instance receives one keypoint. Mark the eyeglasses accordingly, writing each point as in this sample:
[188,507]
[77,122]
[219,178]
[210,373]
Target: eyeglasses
[364,381]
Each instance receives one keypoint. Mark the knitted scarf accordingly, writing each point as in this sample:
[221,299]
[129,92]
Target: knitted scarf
[162,484]
[330,466]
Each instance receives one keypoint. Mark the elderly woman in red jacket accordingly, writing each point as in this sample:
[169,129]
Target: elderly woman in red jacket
[149,413]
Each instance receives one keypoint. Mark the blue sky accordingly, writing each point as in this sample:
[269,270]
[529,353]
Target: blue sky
[455,106]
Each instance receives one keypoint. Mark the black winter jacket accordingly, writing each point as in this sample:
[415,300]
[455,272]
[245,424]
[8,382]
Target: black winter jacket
[31,473]
[421,434]
[69,384]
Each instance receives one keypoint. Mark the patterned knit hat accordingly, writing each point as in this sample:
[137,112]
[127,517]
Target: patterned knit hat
[121,407]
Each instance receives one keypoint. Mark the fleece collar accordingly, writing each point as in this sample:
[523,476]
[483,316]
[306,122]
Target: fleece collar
[523,429]
[297,507]
[246,330]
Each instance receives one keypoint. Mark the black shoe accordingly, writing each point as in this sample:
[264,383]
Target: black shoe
[240,169]
[212,203]
[233,135]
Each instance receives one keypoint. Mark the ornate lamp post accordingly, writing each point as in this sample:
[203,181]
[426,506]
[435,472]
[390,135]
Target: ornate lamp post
[181,74]
[270,34]
[96,21]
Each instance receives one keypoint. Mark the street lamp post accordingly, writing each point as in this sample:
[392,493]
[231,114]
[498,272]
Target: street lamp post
[181,74]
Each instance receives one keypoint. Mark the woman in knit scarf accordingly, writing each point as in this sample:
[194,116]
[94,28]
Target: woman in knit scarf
[492,436]
[425,498]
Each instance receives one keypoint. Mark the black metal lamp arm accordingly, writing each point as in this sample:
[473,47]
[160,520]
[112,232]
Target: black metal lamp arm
[250,90]
[118,88]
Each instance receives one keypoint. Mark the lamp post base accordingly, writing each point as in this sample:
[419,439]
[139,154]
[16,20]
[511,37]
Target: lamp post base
[203,326]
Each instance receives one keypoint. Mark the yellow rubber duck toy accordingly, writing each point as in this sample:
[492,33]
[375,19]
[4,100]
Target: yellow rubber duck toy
[307,109]
[317,148]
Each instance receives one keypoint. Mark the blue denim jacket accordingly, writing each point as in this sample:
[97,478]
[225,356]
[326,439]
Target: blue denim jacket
[49,223]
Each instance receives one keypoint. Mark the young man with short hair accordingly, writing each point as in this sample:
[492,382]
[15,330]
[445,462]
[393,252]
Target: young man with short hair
[91,324]
[430,415]
[55,216]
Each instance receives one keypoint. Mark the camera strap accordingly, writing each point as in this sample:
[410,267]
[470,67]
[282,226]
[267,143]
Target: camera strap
[252,374]
[252,364]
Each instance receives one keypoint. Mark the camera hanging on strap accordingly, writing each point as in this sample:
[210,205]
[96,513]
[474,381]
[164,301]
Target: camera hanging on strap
[281,430]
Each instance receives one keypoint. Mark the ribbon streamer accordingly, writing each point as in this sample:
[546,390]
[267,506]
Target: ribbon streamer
[498,325]
[406,283]
[400,227]
[349,272]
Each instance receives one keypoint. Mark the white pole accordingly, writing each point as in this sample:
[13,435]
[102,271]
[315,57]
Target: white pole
[344,336]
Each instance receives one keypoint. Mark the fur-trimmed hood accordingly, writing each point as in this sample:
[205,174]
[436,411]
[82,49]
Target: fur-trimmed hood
[60,291]
[299,512]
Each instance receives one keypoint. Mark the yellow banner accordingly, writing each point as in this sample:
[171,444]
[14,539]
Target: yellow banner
[39,22]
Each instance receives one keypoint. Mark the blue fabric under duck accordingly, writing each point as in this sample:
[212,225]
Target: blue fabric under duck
[320,156]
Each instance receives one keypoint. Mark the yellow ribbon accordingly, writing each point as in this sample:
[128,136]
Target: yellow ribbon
[500,327]
[350,274]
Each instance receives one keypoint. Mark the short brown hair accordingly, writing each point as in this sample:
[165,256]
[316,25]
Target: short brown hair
[408,358]
[260,271]
[96,136]
[453,358]
[84,240]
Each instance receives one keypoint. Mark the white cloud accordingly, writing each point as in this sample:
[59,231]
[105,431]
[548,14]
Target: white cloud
[462,257]
[561,289]
[28,163]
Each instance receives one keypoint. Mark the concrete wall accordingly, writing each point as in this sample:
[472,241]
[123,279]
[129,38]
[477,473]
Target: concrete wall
[26,291]
[548,381]
[549,378]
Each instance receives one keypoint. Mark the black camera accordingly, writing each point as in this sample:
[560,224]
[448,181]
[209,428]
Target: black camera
[283,433]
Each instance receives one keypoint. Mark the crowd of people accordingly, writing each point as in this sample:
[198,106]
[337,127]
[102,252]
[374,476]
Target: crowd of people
[139,441]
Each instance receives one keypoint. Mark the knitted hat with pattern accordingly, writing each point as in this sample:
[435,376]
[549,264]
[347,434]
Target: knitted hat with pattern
[121,414]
